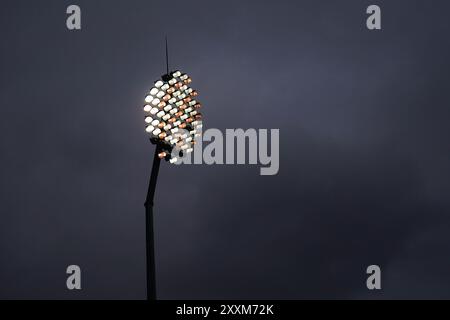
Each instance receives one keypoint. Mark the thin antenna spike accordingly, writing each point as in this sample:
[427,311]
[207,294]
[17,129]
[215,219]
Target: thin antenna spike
[167,56]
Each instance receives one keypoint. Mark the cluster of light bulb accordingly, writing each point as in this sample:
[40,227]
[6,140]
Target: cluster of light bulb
[172,115]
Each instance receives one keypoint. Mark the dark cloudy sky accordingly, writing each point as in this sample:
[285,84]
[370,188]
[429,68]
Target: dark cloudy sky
[364,136]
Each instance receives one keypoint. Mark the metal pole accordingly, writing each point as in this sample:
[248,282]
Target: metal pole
[167,57]
[150,247]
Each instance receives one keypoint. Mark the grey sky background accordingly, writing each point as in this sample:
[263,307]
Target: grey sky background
[364,165]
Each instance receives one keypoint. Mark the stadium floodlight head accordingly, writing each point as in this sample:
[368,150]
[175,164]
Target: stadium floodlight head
[172,116]
[173,121]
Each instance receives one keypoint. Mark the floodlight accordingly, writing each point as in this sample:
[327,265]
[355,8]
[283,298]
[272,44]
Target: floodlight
[173,123]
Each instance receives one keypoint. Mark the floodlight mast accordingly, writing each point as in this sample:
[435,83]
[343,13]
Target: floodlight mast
[150,240]
[150,236]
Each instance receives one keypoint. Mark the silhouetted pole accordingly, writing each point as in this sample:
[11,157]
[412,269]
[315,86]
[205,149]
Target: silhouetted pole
[150,240]
[150,237]
[167,57]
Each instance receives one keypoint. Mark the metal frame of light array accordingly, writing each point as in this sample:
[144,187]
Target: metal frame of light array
[172,115]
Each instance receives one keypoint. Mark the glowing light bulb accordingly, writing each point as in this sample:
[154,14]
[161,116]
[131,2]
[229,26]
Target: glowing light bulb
[160,114]
[162,155]
[157,131]
[161,105]
[170,90]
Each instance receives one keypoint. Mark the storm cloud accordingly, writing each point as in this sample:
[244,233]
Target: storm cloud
[364,172]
